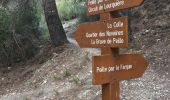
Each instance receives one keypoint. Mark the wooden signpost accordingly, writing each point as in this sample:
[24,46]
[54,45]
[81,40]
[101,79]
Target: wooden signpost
[123,67]
[110,34]
[102,6]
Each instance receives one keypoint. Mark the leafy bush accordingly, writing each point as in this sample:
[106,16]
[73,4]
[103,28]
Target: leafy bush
[5,32]
[69,9]
[5,21]
[44,37]
[19,33]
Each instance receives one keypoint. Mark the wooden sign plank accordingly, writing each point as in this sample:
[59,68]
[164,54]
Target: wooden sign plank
[109,33]
[122,67]
[101,6]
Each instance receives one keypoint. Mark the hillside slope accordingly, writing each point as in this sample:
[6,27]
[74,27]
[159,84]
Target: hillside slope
[151,29]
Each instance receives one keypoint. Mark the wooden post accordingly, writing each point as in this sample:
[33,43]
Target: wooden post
[110,91]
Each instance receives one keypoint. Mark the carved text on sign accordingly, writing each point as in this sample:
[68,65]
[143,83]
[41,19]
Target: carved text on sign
[101,6]
[122,67]
[109,33]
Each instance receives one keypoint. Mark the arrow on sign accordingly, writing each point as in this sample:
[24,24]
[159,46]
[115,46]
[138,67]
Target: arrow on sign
[122,67]
[109,33]
[101,6]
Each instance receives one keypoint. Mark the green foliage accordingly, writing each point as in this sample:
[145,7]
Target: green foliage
[26,19]
[5,21]
[66,9]
[19,32]
[69,9]
[44,33]
[67,73]
[76,80]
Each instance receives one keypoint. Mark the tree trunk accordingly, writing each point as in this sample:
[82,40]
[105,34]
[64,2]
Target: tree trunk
[57,33]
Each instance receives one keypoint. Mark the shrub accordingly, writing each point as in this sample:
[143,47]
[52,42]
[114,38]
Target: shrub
[69,9]
[18,33]
[5,21]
